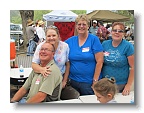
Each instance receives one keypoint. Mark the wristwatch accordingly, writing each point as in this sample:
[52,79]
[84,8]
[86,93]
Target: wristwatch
[94,80]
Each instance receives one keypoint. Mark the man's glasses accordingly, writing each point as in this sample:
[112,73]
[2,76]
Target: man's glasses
[46,50]
[119,31]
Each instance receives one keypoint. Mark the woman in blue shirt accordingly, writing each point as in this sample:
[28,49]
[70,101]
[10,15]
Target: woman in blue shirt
[85,56]
[119,59]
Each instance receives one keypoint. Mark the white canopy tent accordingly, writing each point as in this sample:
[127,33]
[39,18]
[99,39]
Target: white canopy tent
[60,16]
[64,20]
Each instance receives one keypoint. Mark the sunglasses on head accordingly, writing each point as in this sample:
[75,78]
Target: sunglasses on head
[51,26]
[119,31]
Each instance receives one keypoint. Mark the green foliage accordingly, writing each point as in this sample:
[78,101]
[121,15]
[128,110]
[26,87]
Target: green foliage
[16,20]
[79,11]
[128,13]
[15,17]
[38,15]
[14,13]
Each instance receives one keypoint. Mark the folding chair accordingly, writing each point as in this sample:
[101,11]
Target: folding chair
[69,93]
[12,92]
[24,60]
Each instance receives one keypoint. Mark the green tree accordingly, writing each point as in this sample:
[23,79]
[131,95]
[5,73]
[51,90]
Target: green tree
[25,15]
[38,14]
[129,13]
[79,11]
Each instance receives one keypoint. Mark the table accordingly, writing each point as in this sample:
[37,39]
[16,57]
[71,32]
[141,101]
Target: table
[93,99]
[15,78]
[89,99]
[118,97]
[67,101]
[124,99]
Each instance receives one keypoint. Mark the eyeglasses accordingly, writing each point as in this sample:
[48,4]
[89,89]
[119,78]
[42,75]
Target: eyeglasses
[51,26]
[46,49]
[79,25]
[119,31]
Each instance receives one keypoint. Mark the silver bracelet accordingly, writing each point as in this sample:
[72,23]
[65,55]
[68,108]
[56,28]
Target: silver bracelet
[94,80]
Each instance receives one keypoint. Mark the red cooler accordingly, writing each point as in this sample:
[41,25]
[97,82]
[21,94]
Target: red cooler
[12,50]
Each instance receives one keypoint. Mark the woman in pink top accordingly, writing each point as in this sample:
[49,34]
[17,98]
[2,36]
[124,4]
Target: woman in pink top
[60,57]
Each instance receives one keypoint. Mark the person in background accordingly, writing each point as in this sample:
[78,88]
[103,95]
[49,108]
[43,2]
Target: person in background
[60,56]
[30,30]
[132,31]
[119,59]
[93,29]
[85,56]
[102,32]
[105,90]
[40,31]
[36,24]
[128,34]
[40,88]
[109,28]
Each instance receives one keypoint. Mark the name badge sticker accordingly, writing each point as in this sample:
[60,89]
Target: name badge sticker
[106,53]
[86,49]
[37,81]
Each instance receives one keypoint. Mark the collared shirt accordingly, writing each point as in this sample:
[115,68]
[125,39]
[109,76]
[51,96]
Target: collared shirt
[93,30]
[30,32]
[49,85]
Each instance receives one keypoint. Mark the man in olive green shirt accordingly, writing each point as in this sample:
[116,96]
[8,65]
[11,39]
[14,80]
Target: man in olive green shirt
[40,88]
